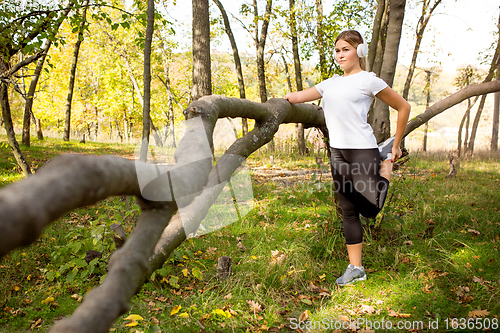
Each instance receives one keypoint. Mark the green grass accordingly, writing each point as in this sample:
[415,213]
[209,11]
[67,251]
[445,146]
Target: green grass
[432,254]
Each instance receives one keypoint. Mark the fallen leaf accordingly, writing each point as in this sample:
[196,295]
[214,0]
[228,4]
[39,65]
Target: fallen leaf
[48,300]
[304,315]
[241,247]
[79,298]
[254,306]
[36,323]
[478,313]
[474,232]
[367,309]
[131,323]
[185,272]
[175,309]
[184,315]
[393,313]
[134,317]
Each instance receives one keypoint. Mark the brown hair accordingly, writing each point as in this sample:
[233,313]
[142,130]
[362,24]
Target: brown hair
[354,38]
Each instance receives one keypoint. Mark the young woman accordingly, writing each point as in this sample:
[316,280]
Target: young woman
[361,170]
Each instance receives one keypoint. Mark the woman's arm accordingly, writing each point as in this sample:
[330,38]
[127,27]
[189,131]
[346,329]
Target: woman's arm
[395,101]
[302,96]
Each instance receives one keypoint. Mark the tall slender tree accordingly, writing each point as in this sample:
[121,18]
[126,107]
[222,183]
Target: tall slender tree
[146,107]
[72,74]
[298,71]
[237,60]
[427,11]
[260,43]
[496,116]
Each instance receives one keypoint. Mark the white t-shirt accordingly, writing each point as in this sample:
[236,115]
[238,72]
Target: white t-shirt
[346,102]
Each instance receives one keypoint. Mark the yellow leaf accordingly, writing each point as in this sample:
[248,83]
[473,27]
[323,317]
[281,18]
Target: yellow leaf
[221,312]
[16,288]
[48,300]
[184,315]
[134,317]
[176,309]
[185,257]
[322,277]
[253,257]
[131,324]
[185,272]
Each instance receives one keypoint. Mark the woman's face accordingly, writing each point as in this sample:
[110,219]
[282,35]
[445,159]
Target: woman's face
[346,56]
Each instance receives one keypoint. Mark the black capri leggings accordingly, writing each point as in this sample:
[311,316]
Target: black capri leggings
[360,188]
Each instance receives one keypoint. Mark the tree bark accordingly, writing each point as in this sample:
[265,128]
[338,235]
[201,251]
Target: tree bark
[202,74]
[28,107]
[301,142]
[496,116]
[320,38]
[72,75]
[427,102]
[377,46]
[9,129]
[260,43]
[376,33]
[421,26]
[170,136]
[146,107]
[237,60]
[380,118]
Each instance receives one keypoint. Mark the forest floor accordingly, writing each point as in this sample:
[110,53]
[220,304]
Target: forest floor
[431,256]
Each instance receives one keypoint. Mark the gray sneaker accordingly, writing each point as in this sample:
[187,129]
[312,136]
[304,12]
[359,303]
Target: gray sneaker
[385,149]
[351,275]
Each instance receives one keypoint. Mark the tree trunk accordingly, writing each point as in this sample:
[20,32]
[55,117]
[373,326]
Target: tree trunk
[422,25]
[469,149]
[9,129]
[496,116]
[72,75]
[320,39]
[377,46]
[237,61]
[170,138]
[376,34]
[298,73]
[202,74]
[28,107]
[146,107]
[380,118]
[260,43]
[428,100]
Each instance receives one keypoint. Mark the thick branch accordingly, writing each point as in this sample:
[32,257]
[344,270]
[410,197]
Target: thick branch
[448,102]
[127,266]
[269,116]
